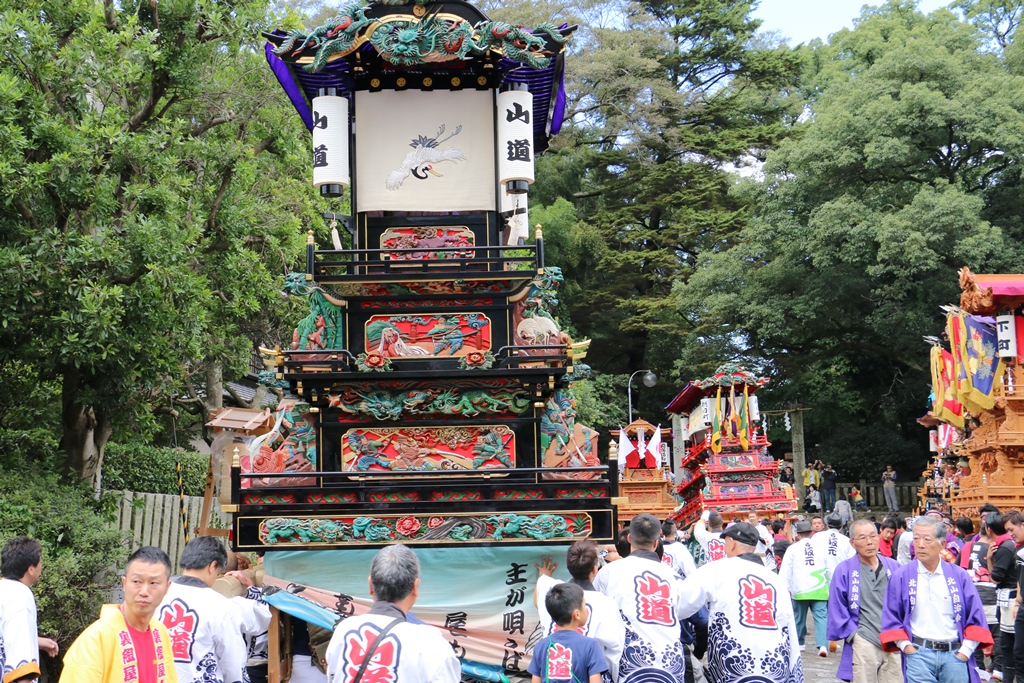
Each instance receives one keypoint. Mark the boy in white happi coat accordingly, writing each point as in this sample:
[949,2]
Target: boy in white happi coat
[603,623]
[675,554]
[751,631]
[710,540]
[764,546]
[21,564]
[206,628]
[647,594]
[407,653]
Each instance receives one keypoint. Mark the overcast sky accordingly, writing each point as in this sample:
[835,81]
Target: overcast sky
[804,20]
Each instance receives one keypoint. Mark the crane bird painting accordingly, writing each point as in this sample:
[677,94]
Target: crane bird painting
[425,155]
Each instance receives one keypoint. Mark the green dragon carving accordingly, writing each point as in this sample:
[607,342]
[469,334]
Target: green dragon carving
[390,406]
[323,328]
[412,41]
[501,527]
[539,528]
[518,44]
[269,379]
[282,529]
[477,402]
[337,36]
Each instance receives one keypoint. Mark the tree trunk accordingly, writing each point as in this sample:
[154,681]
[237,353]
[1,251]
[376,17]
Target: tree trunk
[214,395]
[214,388]
[85,431]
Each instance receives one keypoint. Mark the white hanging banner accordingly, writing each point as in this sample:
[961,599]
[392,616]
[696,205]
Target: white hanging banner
[425,151]
[933,440]
[515,208]
[626,448]
[1006,330]
[515,136]
[654,449]
[707,411]
[330,141]
[696,421]
[754,409]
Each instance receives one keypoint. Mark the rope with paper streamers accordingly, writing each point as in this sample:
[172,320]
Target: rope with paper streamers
[181,478]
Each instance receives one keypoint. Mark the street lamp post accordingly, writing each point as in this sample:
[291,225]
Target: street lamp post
[649,379]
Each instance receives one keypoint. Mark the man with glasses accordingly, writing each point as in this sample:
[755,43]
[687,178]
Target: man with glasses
[855,602]
[933,613]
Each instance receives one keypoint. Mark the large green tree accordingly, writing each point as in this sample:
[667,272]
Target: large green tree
[154,184]
[900,174]
[663,103]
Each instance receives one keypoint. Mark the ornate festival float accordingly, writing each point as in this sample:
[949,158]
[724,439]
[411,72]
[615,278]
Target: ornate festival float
[727,466]
[429,383]
[977,409]
[643,483]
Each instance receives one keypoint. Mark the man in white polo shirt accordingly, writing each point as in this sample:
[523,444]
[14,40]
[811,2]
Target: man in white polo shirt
[933,613]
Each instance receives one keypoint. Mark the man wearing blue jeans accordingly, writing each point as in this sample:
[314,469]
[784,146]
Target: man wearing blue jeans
[933,613]
[806,577]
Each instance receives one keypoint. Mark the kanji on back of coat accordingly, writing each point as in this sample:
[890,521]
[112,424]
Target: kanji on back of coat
[425,399]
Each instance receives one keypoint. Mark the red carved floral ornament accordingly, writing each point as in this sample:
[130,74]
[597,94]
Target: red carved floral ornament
[407,526]
[375,360]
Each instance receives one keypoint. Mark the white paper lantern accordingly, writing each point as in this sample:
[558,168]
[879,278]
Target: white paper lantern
[515,137]
[515,209]
[330,141]
[1006,329]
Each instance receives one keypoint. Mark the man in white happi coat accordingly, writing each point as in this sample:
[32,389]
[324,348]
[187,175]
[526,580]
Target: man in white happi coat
[604,623]
[206,628]
[751,631]
[21,564]
[647,594]
[710,537]
[399,651]
[674,553]
[833,547]
[806,576]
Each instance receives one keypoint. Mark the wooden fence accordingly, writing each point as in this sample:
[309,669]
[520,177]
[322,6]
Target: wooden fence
[906,494]
[155,519]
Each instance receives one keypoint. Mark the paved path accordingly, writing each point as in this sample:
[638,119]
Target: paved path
[818,669]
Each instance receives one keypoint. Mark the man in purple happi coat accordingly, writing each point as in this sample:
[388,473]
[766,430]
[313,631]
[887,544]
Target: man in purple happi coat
[855,603]
[952,545]
[933,613]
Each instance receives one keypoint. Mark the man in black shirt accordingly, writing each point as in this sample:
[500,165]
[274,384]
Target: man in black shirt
[1014,523]
[1003,569]
[828,488]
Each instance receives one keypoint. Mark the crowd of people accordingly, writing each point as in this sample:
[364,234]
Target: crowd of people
[820,488]
[927,602]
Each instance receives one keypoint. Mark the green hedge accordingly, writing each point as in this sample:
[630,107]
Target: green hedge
[80,547]
[29,450]
[148,469]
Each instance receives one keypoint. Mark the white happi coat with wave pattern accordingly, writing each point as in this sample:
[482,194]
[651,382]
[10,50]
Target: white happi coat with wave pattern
[206,633]
[751,630]
[647,595]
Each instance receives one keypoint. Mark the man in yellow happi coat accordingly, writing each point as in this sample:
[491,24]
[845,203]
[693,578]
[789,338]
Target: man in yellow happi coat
[126,644]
